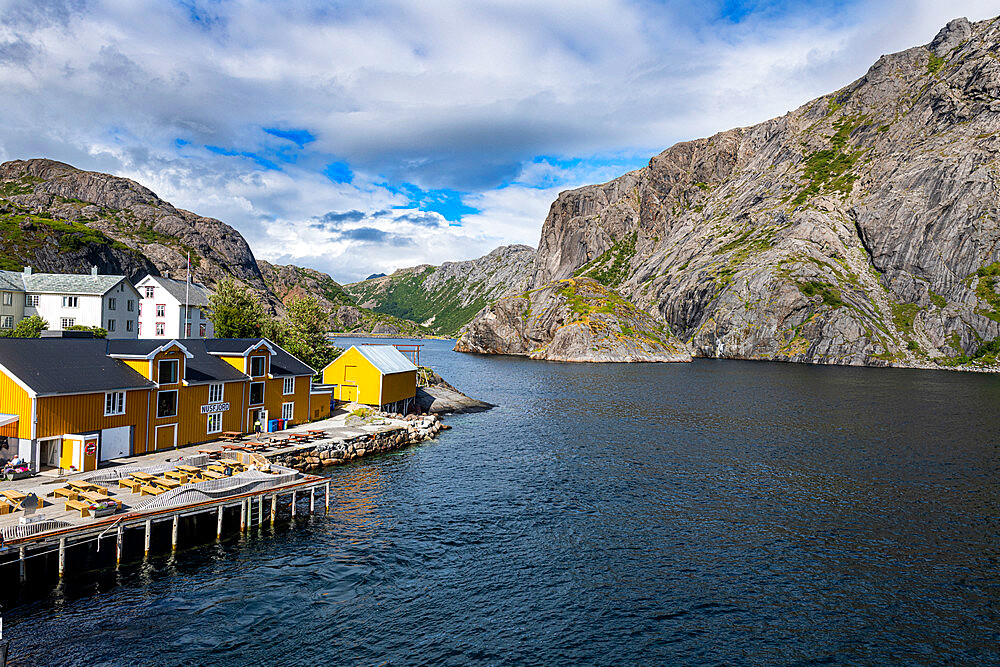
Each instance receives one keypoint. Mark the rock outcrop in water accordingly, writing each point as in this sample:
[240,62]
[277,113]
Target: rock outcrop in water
[573,319]
[861,228]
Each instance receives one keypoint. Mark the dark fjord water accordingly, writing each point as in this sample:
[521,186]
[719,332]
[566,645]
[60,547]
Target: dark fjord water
[715,513]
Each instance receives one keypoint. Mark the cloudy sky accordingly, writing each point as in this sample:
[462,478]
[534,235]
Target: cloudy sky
[361,137]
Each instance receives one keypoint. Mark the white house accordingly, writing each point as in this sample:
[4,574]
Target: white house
[68,299]
[162,309]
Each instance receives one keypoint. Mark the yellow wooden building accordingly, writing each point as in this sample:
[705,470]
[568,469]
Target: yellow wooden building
[377,375]
[74,403]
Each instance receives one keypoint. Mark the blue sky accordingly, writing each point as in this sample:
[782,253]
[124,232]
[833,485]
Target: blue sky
[364,137]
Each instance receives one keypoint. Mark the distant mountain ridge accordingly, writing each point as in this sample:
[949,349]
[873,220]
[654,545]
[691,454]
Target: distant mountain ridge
[57,218]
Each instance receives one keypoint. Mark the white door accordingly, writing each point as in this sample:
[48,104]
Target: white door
[116,442]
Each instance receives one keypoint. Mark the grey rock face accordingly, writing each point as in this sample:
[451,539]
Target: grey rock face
[861,228]
[574,319]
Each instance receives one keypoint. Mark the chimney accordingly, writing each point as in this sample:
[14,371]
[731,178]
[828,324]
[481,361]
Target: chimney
[93,270]
[166,274]
[27,270]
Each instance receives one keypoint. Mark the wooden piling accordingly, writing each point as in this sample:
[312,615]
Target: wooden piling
[243,514]
[218,524]
[23,552]
[328,497]
[294,498]
[312,501]
[274,508]
[118,544]
[173,533]
[148,536]
[62,557]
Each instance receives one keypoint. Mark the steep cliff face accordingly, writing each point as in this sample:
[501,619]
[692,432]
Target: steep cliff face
[91,209]
[861,228]
[444,298]
[573,319]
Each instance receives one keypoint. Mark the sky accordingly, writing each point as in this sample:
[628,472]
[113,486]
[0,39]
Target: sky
[363,137]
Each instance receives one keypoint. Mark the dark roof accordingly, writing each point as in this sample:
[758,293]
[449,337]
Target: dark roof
[67,365]
[282,363]
[196,296]
[201,367]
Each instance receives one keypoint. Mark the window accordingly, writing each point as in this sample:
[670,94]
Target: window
[214,423]
[130,306]
[111,325]
[112,303]
[166,404]
[287,410]
[140,307]
[161,310]
[138,330]
[187,330]
[256,366]
[167,371]
[128,325]
[288,387]
[71,302]
[149,292]
[114,403]
[8,298]
[31,300]
[159,328]
[256,393]
[202,330]
[66,322]
[7,322]
[215,393]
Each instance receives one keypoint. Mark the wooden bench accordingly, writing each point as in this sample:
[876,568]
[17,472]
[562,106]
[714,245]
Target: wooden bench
[66,492]
[209,474]
[5,507]
[13,496]
[130,484]
[83,507]
[176,475]
[165,483]
[145,490]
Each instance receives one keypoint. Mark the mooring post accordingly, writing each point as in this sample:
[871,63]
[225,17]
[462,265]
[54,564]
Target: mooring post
[22,555]
[294,498]
[312,500]
[260,510]
[274,508]
[118,545]
[62,556]
[243,514]
[218,525]
[149,533]
[173,533]
[328,497]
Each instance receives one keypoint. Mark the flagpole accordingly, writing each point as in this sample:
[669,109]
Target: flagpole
[187,300]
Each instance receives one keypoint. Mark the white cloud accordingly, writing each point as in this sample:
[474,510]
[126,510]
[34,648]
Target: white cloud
[451,94]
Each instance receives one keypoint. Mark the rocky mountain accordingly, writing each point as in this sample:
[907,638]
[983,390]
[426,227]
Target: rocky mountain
[57,218]
[445,298]
[290,282]
[573,319]
[861,228]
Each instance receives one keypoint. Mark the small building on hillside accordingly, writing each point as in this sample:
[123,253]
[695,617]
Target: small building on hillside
[376,375]
[173,309]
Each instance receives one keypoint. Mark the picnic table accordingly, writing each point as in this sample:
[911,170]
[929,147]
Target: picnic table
[316,433]
[231,463]
[13,496]
[165,483]
[143,476]
[211,474]
[212,453]
[191,470]
[230,435]
[99,497]
[179,475]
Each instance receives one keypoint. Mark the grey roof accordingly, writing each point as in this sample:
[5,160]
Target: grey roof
[198,295]
[201,367]
[282,363]
[11,280]
[67,365]
[386,358]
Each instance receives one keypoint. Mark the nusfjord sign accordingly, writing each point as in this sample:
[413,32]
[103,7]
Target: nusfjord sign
[214,407]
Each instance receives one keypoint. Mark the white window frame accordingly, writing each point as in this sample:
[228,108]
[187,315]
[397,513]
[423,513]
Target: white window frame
[130,306]
[263,366]
[217,426]
[288,410]
[250,393]
[67,322]
[288,386]
[176,403]
[114,403]
[149,292]
[111,325]
[71,302]
[161,310]
[31,300]
[8,298]
[112,303]
[159,370]
[216,388]
[160,328]
[7,322]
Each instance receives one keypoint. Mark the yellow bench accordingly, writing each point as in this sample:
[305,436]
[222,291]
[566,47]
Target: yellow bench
[66,492]
[146,490]
[130,484]
[84,508]
[5,507]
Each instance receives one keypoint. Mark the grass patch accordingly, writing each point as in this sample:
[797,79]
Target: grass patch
[614,264]
[934,64]
[829,170]
[830,294]
[937,299]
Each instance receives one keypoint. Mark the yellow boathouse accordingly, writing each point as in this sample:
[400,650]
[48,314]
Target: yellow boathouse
[376,375]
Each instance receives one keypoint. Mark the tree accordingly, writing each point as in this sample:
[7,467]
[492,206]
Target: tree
[303,332]
[236,311]
[29,327]
[99,332]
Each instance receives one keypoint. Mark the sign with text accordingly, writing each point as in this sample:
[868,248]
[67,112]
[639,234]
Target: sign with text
[214,407]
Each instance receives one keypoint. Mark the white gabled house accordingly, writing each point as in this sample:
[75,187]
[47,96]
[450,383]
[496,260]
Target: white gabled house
[68,299]
[162,309]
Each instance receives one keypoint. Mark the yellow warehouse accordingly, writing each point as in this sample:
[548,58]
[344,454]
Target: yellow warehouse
[377,375]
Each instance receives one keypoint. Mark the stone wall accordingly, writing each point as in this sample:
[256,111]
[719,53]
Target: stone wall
[316,456]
